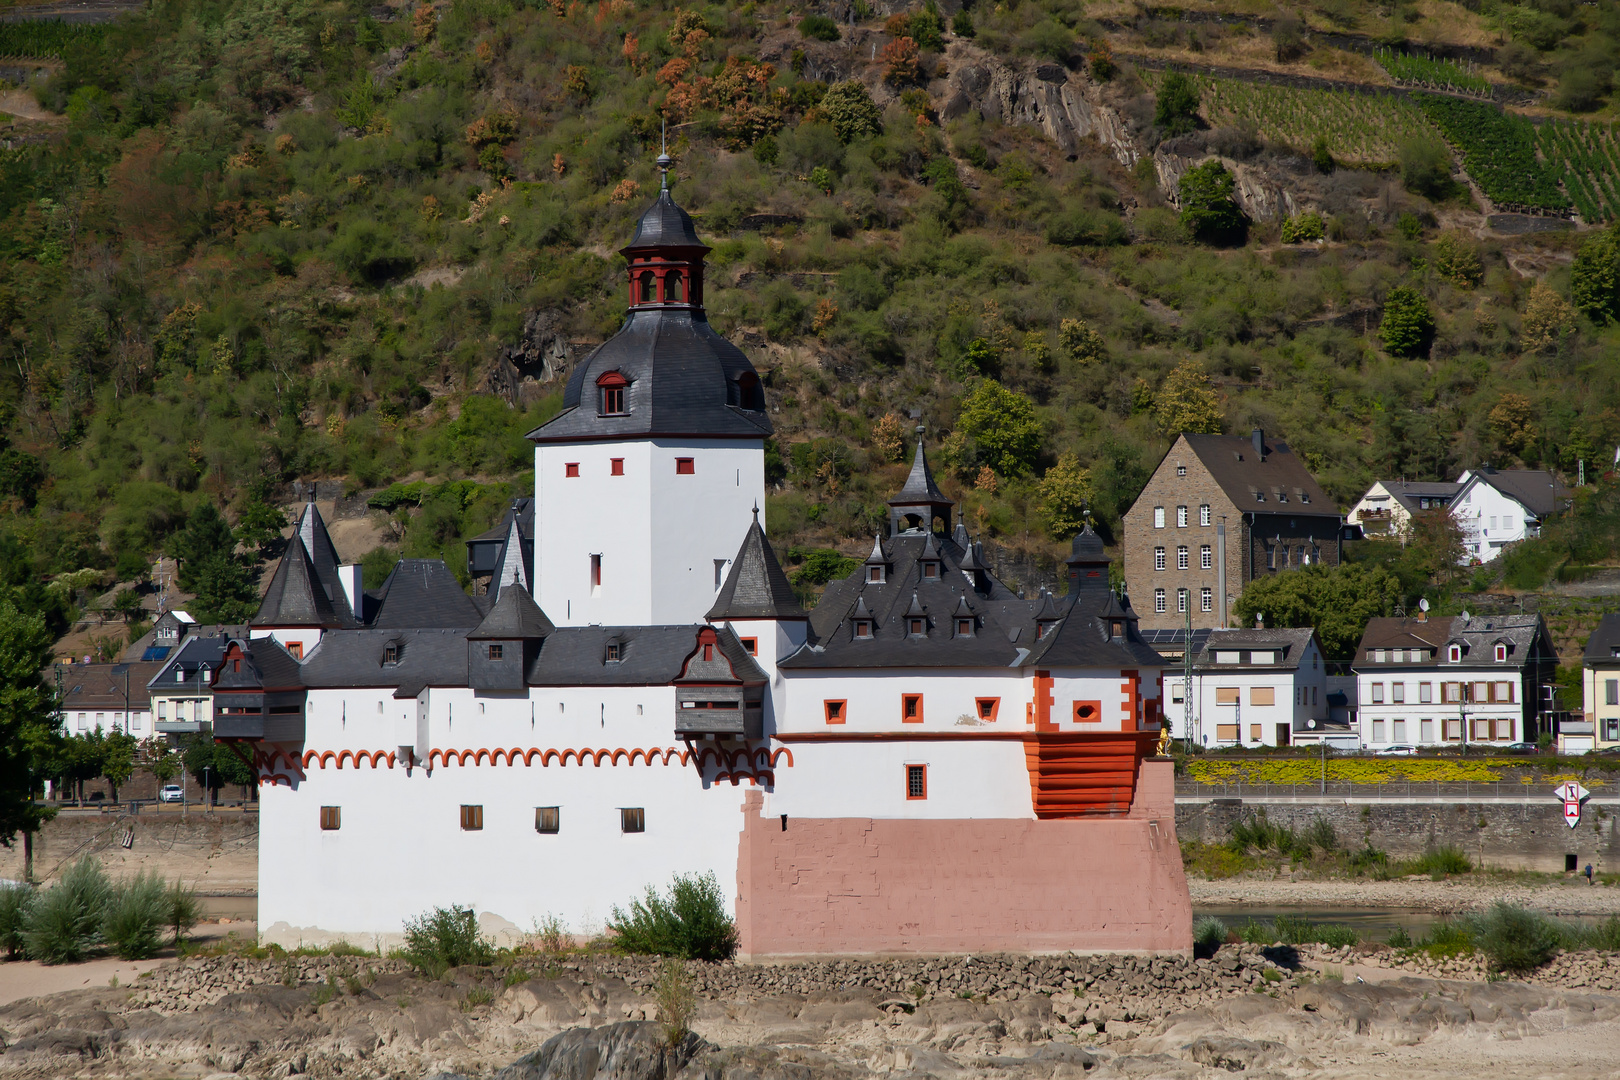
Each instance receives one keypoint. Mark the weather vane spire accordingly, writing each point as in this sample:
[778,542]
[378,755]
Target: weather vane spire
[664,161]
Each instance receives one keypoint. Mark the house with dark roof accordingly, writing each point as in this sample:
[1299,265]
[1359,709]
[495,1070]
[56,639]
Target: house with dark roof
[1257,687]
[1600,689]
[1471,679]
[107,696]
[1218,512]
[633,690]
[1386,510]
[1498,507]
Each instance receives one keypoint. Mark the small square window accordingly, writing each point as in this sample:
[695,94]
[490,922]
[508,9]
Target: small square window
[751,644]
[612,654]
[874,575]
[835,711]
[916,628]
[616,466]
[863,629]
[930,570]
[911,708]
[632,819]
[547,819]
[1181,470]
[331,818]
[390,654]
[296,648]
[495,652]
[685,466]
[472,818]
[988,707]
[964,627]
[916,781]
[571,468]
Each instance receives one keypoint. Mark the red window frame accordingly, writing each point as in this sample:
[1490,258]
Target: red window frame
[616,466]
[685,466]
[837,710]
[1087,712]
[751,644]
[916,781]
[988,714]
[911,708]
[571,469]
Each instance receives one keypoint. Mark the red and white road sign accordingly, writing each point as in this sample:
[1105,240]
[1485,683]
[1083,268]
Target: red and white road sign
[1572,794]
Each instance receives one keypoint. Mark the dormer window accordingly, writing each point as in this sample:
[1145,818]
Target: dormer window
[1117,629]
[863,629]
[917,627]
[613,652]
[874,575]
[1454,654]
[1259,496]
[390,654]
[964,627]
[1501,654]
[930,570]
[612,387]
[495,652]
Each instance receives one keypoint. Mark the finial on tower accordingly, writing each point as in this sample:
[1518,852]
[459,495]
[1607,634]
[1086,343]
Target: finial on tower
[664,161]
[756,511]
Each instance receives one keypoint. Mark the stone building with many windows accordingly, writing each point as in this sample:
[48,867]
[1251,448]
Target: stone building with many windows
[1219,511]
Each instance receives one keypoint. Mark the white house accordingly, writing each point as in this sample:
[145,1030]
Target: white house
[1251,688]
[1498,507]
[647,698]
[1386,509]
[1449,682]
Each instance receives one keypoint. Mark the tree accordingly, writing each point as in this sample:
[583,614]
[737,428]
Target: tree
[1187,402]
[1425,167]
[1208,212]
[1336,600]
[1408,325]
[30,726]
[1594,282]
[227,591]
[1456,260]
[213,765]
[1435,544]
[1512,422]
[1082,343]
[1547,318]
[206,534]
[1065,492]
[1002,428]
[1175,109]
[128,604]
[118,759]
[259,528]
[851,111]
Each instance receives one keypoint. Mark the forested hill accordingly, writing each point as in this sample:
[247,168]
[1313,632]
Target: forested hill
[248,242]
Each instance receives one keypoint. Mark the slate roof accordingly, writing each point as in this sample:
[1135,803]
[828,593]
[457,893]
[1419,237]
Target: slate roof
[648,656]
[919,486]
[423,594]
[354,658]
[1005,631]
[756,587]
[487,551]
[1233,464]
[101,686]
[1604,644]
[1407,492]
[1537,490]
[1525,636]
[296,597]
[1288,643]
[266,665]
[513,616]
[665,224]
[188,661]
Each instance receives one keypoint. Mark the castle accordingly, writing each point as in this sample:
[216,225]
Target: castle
[925,763]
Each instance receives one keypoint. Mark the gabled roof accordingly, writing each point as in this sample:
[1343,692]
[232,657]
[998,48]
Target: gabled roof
[1604,644]
[423,594]
[1240,472]
[297,597]
[1538,491]
[1085,636]
[1408,492]
[756,587]
[193,655]
[103,686]
[1525,636]
[1289,644]
[264,665]
[513,616]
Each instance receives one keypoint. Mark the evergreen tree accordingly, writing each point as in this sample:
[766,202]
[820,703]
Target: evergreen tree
[1175,110]
[1594,281]
[226,589]
[1408,324]
[1208,211]
[30,726]
[206,535]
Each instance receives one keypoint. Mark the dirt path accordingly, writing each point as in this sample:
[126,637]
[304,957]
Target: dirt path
[26,979]
[21,104]
[1442,897]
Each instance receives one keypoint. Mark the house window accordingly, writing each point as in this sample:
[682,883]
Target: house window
[296,648]
[1482,730]
[1158,601]
[874,575]
[1226,695]
[911,709]
[1158,558]
[1181,470]
[547,819]
[596,572]
[1425,693]
[571,468]
[1454,654]
[1378,693]
[988,707]
[1451,693]
[930,569]
[917,627]
[613,401]
[1206,599]
[1158,517]
[1397,730]
[751,644]
[632,819]
[1453,730]
[1182,561]
[163,706]
[495,652]
[390,654]
[1397,693]
[1206,558]
[1501,653]
[1203,514]
[1426,731]
[1379,656]
[1611,692]
[1611,730]
[616,466]
[964,627]
[1262,695]
[331,818]
[835,711]
[863,628]
[1502,691]
[684,466]
[1481,692]
[1378,731]
[1259,496]
[612,653]
[1181,517]
[472,818]
[1181,600]
[916,781]
[1271,557]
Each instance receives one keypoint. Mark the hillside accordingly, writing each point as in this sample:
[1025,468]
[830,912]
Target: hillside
[254,242]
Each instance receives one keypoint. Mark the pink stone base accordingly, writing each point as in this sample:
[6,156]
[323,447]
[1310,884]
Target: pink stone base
[887,886]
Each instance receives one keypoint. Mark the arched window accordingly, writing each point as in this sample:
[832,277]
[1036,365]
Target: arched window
[674,288]
[612,387]
[649,288]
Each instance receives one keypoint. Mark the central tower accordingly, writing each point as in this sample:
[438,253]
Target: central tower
[644,484]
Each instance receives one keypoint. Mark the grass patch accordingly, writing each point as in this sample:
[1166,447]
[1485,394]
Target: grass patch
[1293,930]
[1440,862]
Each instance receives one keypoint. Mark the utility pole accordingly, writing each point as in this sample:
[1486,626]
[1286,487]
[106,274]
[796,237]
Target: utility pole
[1187,685]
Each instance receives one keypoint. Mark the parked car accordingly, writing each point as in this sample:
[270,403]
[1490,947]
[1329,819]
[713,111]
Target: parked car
[171,793]
[1519,748]
[1397,750]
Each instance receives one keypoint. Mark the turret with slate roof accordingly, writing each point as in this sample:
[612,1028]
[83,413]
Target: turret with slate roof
[500,649]
[920,501]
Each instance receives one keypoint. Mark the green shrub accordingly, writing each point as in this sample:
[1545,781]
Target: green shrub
[1441,861]
[819,27]
[136,916]
[14,904]
[1208,211]
[1209,932]
[1337,935]
[1408,324]
[689,922]
[1369,859]
[1302,228]
[1399,938]
[1515,939]
[445,938]
[181,909]
[1072,228]
[962,24]
[851,111]
[1448,937]
[1175,109]
[64,923]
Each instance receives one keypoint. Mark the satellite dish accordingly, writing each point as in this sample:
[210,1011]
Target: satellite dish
[1423,605]
[1311,724]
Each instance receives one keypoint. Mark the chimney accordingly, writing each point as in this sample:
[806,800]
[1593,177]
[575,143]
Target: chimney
[1259,620]
[349,578]
[1259,438]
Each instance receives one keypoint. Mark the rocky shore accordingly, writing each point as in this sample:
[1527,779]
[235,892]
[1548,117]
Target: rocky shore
[1451,896]
[1274,1010]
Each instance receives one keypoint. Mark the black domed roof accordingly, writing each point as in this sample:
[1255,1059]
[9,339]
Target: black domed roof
[665,225]
[1086,545]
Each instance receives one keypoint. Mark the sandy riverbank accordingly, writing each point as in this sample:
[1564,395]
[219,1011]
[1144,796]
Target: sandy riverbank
[1441,897]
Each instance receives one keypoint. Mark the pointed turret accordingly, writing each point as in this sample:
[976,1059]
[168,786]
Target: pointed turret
[1088,564]
[511,570]
[501,648]
[296,597]
[920,501]
[877,564]
[756,587]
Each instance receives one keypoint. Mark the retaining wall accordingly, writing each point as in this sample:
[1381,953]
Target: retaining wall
[215,853]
